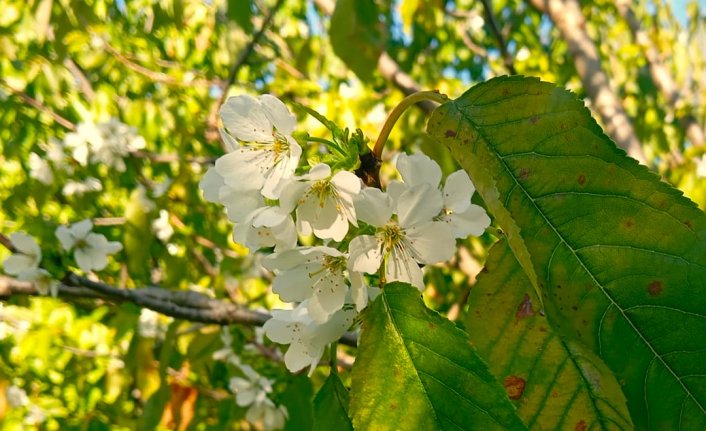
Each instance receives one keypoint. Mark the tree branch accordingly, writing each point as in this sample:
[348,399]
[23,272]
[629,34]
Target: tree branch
[566,15]
[40,107]
[660,75]
[180,304]
[495,29]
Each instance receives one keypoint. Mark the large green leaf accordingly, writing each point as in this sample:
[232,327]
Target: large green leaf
[416,371]
[555,383]
[618,255]
[356,35]
[331,406]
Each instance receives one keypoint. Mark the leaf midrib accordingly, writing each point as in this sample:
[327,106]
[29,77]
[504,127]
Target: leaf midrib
[581,263]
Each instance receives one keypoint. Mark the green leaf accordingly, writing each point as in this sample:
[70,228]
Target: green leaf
[331,406]
[619,256]
[555,383]
[356,36]
[298,398]
[416,371]
[240,11]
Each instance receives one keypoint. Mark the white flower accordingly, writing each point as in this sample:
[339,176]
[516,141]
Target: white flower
[268,154]
[90,184]
[161,226]
[314,273]
[253,388]
[91,249]
[42,280]
[35,415]
[16,397]
[267,415]
[80,141]
[403,242]
[266,227]
[324,203]
[239,203]
[307,338]
[149,325]
[39,169]
[463,217]
[27,256]
[118,140]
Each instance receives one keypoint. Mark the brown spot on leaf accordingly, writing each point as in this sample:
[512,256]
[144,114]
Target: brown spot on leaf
[542,329]
[655,288]
[629,223]
[523,174]
[525,308]
[582,179]
[506,92]
[515,387]
[533,119]
[393,406]
[688,224]
[431,326]
[575,308]
[581,426]
[450,134]
[555,394]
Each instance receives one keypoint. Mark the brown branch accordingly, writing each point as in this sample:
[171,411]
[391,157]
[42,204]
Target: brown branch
[180,304]
[80,77]
[660,75]
[502,43]
[40,107]
[566,15]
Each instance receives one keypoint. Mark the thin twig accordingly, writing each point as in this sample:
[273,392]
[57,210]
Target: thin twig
[40,107]
[502,43]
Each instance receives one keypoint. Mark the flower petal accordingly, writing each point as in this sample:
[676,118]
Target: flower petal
[419,204]
[25,244]
[246,119]
[418,169]
[431,242]
[278,113]
[81,229]
[296,284]
[281,331]
[210,184]
[364,254]
[300,355]
[65,238]
[16,263]
[359,290]
[400,266]
[473,221]
[330,293]
[458,191]
[373,206]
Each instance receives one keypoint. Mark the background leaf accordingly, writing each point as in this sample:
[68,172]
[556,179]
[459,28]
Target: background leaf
[416,370]
[555,383]
[331,406]
[620,257]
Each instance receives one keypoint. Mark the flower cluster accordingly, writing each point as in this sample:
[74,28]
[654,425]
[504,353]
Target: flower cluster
[349,229]
[251,390]
[91,250]
[24,264]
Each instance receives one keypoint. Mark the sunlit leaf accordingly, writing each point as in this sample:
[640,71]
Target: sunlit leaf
[415,370]
[620,257]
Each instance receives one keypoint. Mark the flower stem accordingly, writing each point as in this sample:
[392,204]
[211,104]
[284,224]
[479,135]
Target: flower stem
[334,357]
[397,112]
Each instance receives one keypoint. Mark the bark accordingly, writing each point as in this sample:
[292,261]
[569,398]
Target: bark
[567,17]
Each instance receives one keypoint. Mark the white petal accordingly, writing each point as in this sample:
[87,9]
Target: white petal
[395,189]
[330,292]
[239,203]
[278,114]
[419,204]
[81,229]
[295,284]
[402,267]
[269,217]
[285,234]
[332,330]
[418,169]
[431,242]
[458,191]
[229,141]
[373,206]
[300,355]
[84,259]
[359,290]
[17,263]
[364,254]
[246,119]
[211,183]
[242,169]
[292,191]
[346,182]
[280,331]
[318,172]
[65,238]
[289,259]
[316,311]
[25,244]
[330,223]
[473,221]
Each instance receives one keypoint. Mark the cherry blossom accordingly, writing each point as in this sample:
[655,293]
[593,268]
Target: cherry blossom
[406,234]
[324,203]
[266,227]
[91,250]
[268,153]
[27,256]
